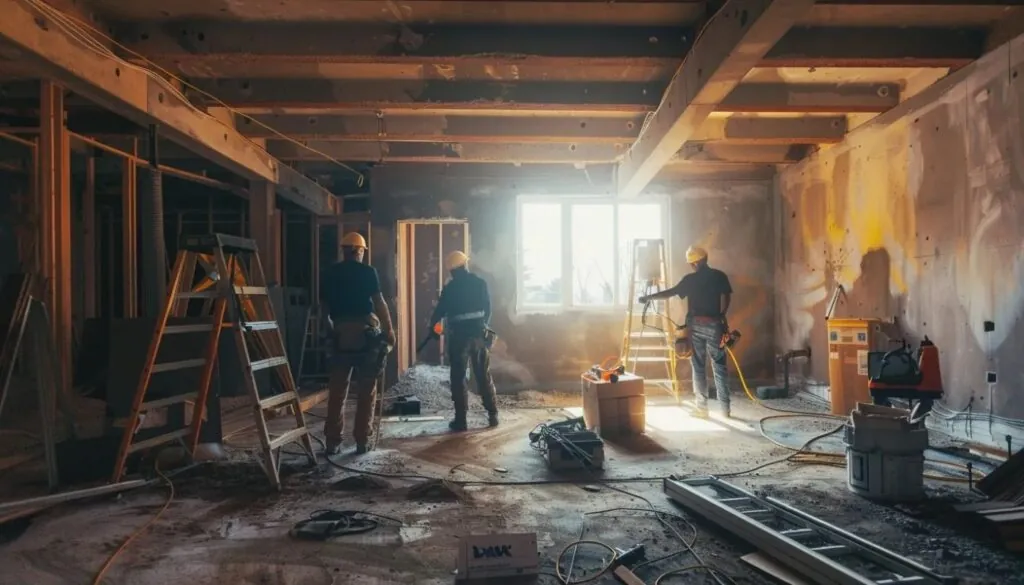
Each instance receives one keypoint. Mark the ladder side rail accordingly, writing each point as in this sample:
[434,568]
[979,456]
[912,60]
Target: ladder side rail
[206,377]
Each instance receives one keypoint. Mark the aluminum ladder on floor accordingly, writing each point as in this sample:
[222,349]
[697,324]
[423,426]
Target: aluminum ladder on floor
[812,547]
[231,284]
[648,338]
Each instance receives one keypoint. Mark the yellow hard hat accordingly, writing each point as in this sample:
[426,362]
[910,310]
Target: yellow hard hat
[353,240]
[456,259]
[695,254]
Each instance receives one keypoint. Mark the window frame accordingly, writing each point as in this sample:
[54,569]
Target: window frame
[566,203]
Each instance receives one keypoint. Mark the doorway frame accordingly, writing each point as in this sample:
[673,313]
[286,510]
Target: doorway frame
[406,301]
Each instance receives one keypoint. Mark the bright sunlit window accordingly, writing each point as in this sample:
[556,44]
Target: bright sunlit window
[575,253]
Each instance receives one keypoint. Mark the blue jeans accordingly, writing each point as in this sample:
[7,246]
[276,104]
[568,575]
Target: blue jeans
[706,338]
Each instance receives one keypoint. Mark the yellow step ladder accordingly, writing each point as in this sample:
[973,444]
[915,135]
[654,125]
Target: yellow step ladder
[230,282]
[648,340]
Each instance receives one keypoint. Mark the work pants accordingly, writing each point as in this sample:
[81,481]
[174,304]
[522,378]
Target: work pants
[470,350]
[706,336]
[351,369]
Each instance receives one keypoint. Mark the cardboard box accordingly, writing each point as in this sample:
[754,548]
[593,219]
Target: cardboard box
[618,408]
[487,558]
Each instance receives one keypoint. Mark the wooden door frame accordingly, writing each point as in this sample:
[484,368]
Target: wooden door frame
[405,306]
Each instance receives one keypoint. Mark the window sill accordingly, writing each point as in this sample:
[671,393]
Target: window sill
[609,310]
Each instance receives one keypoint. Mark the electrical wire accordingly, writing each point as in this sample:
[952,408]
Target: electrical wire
[138,531]
[86,34]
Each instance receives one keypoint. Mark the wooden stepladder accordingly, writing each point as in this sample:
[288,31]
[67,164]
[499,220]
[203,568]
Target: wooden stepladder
[648,338]
[225,274]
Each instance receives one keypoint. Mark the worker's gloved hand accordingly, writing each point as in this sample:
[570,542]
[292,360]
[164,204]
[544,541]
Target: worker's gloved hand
[391,339]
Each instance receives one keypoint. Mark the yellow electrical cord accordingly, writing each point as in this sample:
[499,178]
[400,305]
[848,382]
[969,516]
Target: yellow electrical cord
[803,454]
[86,34]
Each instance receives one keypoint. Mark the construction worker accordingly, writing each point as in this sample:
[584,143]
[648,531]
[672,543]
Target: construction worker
[466,305]
[357,317]
[708,293]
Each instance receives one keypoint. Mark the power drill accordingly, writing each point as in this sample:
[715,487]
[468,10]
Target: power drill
[377,350]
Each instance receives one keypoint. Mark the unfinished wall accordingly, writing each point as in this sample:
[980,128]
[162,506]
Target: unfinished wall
[919,215]
[544,351]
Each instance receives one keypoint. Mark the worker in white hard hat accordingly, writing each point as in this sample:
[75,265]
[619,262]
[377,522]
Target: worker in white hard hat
[465,305]
[708,293]
[362,334]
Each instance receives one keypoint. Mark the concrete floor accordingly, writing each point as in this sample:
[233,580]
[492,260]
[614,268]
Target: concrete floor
[225,526]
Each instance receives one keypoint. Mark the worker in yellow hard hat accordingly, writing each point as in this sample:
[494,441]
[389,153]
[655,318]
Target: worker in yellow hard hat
[362,334]
[465,305]
[708,294]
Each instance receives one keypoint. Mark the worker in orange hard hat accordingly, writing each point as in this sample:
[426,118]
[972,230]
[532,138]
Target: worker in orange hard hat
[360,323]
[465,304]
[708,294]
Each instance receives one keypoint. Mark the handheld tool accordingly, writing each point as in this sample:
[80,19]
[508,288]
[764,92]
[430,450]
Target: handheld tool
[624,559]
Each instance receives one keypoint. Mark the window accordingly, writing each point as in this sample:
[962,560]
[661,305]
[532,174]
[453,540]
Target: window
[576,253]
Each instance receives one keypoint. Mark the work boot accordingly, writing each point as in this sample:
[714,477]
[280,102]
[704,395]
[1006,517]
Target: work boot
[726,412]
[361,448]
[701,413]
[459,424]
[332,448]
[492,419]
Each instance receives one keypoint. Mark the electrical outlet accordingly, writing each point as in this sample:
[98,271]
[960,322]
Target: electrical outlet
[989,326]
[990,377]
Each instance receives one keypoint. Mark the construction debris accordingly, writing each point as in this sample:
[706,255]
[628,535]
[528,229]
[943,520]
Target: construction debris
[359,483]
[568,445]
[1006,482]
[437,490]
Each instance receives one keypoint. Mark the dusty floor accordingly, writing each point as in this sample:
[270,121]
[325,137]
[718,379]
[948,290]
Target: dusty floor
[224,525]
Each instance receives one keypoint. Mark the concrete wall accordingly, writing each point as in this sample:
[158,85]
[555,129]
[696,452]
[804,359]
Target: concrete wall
[919,215]
[542,351]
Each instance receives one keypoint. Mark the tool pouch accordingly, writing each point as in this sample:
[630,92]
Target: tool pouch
[490,337]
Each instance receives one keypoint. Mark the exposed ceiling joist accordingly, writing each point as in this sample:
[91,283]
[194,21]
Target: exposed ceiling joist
[624,100]
[736,39]
[451,152]
[127,90]
[550,53]
[753,131]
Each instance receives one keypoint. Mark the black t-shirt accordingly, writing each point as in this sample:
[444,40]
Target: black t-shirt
[348,288]
[703,290]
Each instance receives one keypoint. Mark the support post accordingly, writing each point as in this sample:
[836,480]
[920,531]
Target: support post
[89,238]
[55,180]
[263,227]
[129,235]
[154,248]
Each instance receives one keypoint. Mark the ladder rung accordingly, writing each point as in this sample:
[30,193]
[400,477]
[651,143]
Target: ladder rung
[269,363]
[182,365]
[268,403]
[646,334]
[760,512]
[188,328]
[797,533]
[649,359]
[250,290]
[832,550]
[290,436]
[734,500]
[900,580]
[162,402]
[159,440]
[206,294]
[260,325]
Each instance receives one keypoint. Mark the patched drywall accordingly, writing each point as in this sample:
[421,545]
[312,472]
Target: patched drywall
[733,220]
[918,215]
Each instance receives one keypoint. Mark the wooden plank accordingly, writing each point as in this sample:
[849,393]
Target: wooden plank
[772,568]
[739,35]
[136,93]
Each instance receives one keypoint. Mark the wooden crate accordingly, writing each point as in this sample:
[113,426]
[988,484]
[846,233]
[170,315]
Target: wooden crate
[612,409]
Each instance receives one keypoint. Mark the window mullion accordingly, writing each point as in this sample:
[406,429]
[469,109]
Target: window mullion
[567,283]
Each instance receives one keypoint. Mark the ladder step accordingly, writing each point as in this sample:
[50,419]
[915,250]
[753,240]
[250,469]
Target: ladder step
[289,437]
[900,580]
[188,328]
[206,294]
[182,365]
[832,550]
[260,325]
[734,500]
[269,363]
[273,401]
[638,334]
[250,290]
[162,402]
[649,359]
[159,440]
[798,533]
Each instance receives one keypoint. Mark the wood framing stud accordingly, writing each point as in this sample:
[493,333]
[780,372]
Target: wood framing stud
[739,35]
[139,95]
[89,233]
[262,213]
[129,237]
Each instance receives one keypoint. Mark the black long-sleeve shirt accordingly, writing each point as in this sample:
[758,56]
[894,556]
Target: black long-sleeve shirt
[465,302]
[703,291]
